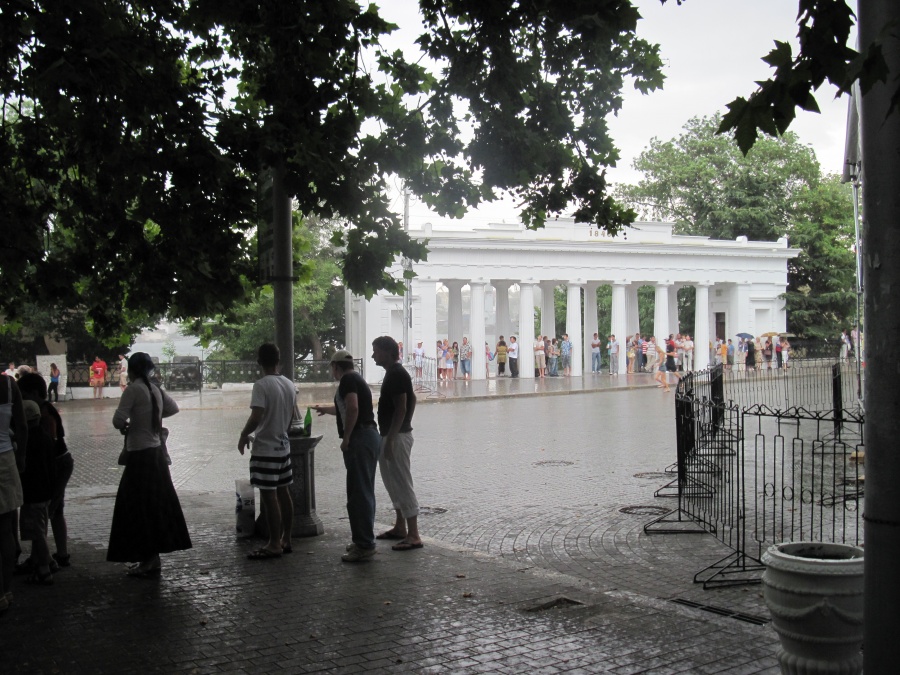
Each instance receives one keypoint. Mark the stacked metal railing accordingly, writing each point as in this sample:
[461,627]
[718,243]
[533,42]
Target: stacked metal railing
[783,468]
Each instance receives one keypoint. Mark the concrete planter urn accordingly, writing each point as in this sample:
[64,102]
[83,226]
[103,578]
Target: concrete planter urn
[815,594]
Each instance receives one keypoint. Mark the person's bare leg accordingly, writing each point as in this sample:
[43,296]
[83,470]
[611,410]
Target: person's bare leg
[412,530]
[273,519]
[286,504]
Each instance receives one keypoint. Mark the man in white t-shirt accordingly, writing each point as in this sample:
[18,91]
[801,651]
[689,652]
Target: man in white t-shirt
[688,346]
[613,348]
[513,353]
[272,406]
[595,353]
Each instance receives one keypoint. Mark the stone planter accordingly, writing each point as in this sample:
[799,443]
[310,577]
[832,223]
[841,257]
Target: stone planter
[815,594]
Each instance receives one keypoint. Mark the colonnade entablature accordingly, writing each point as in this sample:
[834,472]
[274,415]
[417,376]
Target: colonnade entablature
[502,270]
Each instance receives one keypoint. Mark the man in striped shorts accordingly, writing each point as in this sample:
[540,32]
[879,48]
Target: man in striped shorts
[272,406]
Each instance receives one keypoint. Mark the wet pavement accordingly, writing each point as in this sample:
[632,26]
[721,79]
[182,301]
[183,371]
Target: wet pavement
[529,564]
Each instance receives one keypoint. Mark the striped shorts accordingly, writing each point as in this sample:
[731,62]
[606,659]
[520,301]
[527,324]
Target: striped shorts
[268,473]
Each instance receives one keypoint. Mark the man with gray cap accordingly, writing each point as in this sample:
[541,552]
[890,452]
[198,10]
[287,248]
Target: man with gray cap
[361,446]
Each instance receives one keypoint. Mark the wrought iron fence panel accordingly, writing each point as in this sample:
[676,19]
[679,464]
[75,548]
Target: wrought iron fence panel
[778,469]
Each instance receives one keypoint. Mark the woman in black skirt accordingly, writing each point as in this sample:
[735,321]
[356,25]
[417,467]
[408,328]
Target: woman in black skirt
[147,519]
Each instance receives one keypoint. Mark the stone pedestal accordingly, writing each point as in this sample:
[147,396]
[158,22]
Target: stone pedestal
[303,491]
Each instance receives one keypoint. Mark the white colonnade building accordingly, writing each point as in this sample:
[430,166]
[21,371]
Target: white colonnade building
[508,268]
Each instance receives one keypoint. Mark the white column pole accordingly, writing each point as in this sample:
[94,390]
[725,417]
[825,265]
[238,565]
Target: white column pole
[427,292]
[526,330]
[632,318]
[674,325]
[455,328]
[476,328]
[590,323]
[548,309]
[573,324]
[618,321]
[661,312]
[502,321]
[701,327]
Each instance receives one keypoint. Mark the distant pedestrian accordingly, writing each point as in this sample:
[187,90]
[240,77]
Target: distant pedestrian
[595,353]
[729,355]
[273,404]
[553,359]
[123,372]
[147,518]
[361,446]
[464,352]
[688,344]
[565,354]
[540,360]
[612,347]
[53,389]
[501,352]
[419,359]
[513,357]
[98,376]
[396,406]
[750,363]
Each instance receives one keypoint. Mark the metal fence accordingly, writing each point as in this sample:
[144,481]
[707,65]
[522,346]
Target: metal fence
[755,474]
[193,374]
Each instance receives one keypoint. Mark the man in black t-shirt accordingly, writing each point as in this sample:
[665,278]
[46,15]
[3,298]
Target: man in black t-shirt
[396,406]
[360,444]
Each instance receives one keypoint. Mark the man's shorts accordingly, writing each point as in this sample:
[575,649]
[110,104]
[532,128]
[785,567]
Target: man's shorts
[564,360]
[269,473]
[33,521]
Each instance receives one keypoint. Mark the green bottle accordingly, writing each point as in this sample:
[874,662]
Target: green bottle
[307,423]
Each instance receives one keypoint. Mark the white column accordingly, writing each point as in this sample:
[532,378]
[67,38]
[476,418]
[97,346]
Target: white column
[426,289]
[548,309]
[617,321]
[661,312]
[573,324]
[526,330]
[701,327]
[455,328]
[632,318]
[502,321]
[373,328]
[476,328]
[674,325]
[590,323]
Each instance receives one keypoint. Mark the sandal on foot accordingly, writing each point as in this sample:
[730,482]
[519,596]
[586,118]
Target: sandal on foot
[287,549]
[62,560]
[25,567]
[390,534]
[406,546]
[38,579]
[263,554]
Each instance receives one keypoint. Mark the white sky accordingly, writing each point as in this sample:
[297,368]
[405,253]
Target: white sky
[712,51]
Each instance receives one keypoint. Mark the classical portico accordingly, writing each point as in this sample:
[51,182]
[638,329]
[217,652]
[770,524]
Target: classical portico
[505,272]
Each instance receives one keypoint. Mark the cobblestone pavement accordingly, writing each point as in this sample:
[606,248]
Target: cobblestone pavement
[522,497]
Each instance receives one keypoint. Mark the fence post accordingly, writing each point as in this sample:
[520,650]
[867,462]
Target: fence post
[837,399]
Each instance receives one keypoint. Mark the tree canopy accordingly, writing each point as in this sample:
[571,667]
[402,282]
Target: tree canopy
[129,167]
[707,186]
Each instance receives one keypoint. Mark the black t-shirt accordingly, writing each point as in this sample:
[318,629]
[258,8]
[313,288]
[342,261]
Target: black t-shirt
[396,382]
[353,383]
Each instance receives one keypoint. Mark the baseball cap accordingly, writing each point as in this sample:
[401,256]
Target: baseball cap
[341,356]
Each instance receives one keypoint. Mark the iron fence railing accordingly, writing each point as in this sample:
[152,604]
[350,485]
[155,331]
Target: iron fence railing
[190,374]
[755,474]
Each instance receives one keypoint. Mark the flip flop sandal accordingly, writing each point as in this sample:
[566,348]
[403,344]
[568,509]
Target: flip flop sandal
[287,549]
[390,535]
[38,579]
[139,573]
[263,554]
[405,546]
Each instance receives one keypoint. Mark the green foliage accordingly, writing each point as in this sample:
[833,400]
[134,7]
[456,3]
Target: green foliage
[318,304]
[707,187]
[821,295]
[128,169]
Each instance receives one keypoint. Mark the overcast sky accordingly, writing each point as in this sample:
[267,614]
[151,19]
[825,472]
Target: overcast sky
[712,51]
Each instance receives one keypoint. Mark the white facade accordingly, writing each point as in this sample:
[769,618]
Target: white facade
[509,270]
